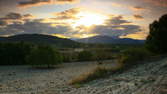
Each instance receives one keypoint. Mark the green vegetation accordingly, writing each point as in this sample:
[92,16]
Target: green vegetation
[28,54]
[95,53]
[103,54]
[14,53]
[85,56]
[131,56]
[44,56]
[156,41]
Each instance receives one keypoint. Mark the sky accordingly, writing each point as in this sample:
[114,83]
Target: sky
[80,18]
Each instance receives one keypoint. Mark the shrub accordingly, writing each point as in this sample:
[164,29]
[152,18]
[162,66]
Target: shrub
[85,56]
[43,56]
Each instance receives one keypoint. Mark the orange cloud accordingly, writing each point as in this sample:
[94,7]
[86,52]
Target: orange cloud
[137,8]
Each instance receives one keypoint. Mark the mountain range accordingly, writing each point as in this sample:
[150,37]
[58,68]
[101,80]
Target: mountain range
[41,39]
[110,40]
[64,42]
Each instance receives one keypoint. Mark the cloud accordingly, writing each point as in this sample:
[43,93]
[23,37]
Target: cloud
[137,16]
[31,27]
[117,30]
[116,21]
[3,23]
[67,14]
[116,26]
[12,18]
[60,25]
[16,16]
[10,30]
[31,3]
[28,16]
[137,8]
[137,35]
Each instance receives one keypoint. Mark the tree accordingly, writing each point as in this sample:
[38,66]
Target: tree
[43,56]
[14,53]
[85,56]
[157,38]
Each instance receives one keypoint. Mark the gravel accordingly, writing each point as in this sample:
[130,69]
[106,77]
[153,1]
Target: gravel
[148,78]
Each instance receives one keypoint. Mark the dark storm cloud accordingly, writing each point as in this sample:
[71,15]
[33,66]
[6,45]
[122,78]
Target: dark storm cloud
[43,2]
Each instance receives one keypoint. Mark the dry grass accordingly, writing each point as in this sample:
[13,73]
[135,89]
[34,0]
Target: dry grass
[96,73]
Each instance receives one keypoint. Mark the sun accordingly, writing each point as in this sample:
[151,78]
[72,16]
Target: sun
[88,19]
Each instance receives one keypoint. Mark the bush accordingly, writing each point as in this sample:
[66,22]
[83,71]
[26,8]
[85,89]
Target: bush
[133,55]
[85,56]
[43,56]
[156,40]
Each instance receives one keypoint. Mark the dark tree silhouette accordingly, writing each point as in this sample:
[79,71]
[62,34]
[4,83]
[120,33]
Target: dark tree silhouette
[14,53]
[44,56]
[157,38]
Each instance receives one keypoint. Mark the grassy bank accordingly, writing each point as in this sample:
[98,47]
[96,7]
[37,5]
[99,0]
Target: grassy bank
[126,59]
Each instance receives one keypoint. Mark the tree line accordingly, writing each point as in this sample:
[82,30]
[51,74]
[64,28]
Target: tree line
[28,54]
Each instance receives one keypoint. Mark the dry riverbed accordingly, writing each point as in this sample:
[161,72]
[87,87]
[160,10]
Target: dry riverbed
[149,78]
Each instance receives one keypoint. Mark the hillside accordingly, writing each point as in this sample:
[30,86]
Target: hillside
[109,40]
[41,39]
